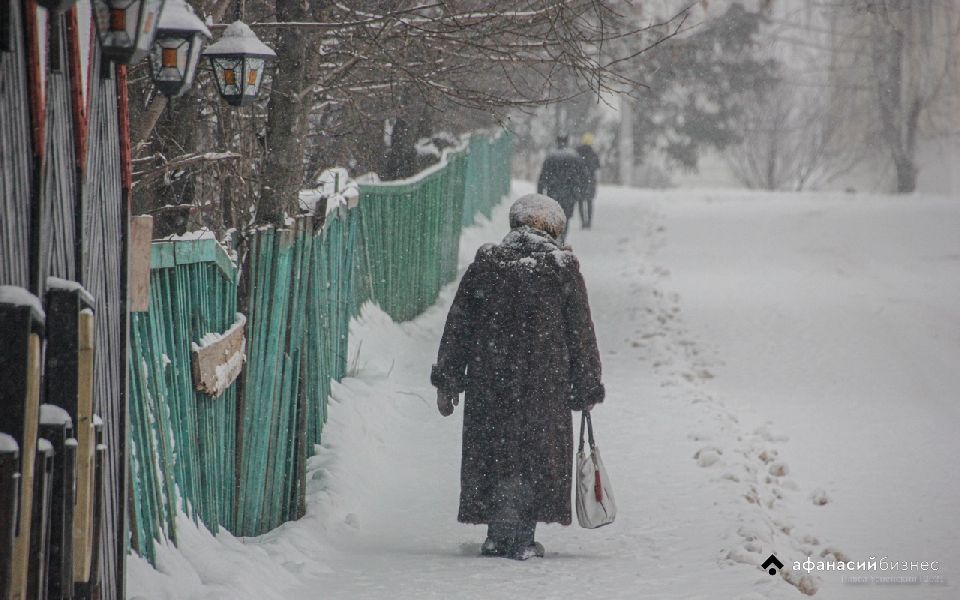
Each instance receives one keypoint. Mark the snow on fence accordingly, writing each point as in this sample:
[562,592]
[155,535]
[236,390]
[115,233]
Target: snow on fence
[238,460]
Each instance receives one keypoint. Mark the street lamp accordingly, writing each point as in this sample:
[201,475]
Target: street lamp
[126,27]
[176,50]
[239,59]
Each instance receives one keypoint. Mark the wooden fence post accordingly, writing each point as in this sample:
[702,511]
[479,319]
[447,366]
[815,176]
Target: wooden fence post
[86,441]
[21,325]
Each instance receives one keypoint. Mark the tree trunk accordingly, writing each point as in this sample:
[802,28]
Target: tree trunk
[401,159]
[906,174]
[287,118]
[625,145]
[899,127]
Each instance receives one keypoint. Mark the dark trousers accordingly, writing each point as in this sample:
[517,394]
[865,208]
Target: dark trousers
[568,208]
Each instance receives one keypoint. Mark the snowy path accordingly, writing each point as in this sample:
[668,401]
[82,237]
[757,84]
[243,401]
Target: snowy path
[685,436]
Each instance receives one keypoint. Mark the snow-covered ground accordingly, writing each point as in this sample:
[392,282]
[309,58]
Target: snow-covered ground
[781,374]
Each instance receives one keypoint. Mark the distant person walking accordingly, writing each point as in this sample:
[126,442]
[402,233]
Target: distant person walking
[519,340]
[564,178]
[592,161]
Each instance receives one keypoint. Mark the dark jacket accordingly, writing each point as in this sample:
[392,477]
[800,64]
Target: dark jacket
[520,341]
[564,177]
[590,158]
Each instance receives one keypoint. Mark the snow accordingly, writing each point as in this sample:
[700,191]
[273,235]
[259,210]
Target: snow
[781,377]
[427,147]
[537,209]
[208,339]
[44,445]
[238,38]
[228,372]
[528,262]
[836,318]
[8,444]
[17,296]
[334,189]
[55,283]
[189,236]
[225,373]
[177,15]
[51,414]
[420,176]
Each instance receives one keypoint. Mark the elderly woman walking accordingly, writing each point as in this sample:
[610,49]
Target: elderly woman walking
[519,341]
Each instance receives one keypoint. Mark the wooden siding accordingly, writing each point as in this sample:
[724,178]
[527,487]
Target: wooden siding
[16,158]
[63,212]
[102,273]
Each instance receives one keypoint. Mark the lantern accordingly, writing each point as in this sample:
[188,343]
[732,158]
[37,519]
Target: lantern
[239,59]
[126,27]
[176,49]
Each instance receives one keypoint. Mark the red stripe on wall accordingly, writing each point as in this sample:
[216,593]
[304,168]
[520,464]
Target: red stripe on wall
[123,114]
[34,76]
[77,93]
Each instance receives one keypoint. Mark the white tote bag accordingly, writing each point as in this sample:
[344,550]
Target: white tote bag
[595,504]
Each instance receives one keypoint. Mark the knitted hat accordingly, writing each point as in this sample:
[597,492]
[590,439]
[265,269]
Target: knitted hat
[540,212]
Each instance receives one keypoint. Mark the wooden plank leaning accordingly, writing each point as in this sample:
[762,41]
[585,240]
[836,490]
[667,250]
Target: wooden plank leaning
[86,443]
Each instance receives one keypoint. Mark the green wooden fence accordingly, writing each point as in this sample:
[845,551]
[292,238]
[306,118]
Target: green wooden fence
[238,460]
[409,236]
[182,442]
[300,283]
[487,177]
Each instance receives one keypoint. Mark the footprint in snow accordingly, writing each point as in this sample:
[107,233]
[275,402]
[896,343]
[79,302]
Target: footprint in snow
[764,432]
[778,469]
[768,456]
[819,497]
[707,456]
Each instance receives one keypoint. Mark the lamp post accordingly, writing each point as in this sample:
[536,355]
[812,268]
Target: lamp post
[176,49]
[126,27]
[239,59]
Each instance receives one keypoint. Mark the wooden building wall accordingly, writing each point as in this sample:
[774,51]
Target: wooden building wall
[63,208]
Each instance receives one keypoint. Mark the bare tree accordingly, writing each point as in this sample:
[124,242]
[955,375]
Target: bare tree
[912,49]
[344,68]
[792,140]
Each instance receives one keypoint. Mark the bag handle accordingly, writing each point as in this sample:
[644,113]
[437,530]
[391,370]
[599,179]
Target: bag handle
[586,422]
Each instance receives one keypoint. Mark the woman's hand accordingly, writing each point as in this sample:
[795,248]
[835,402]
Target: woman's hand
[446,401]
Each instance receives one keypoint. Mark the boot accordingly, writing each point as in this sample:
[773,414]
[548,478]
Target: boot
[535,549]
[490,547]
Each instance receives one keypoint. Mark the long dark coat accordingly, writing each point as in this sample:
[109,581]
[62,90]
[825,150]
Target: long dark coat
[520,341]
[589,157]
[565,178]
